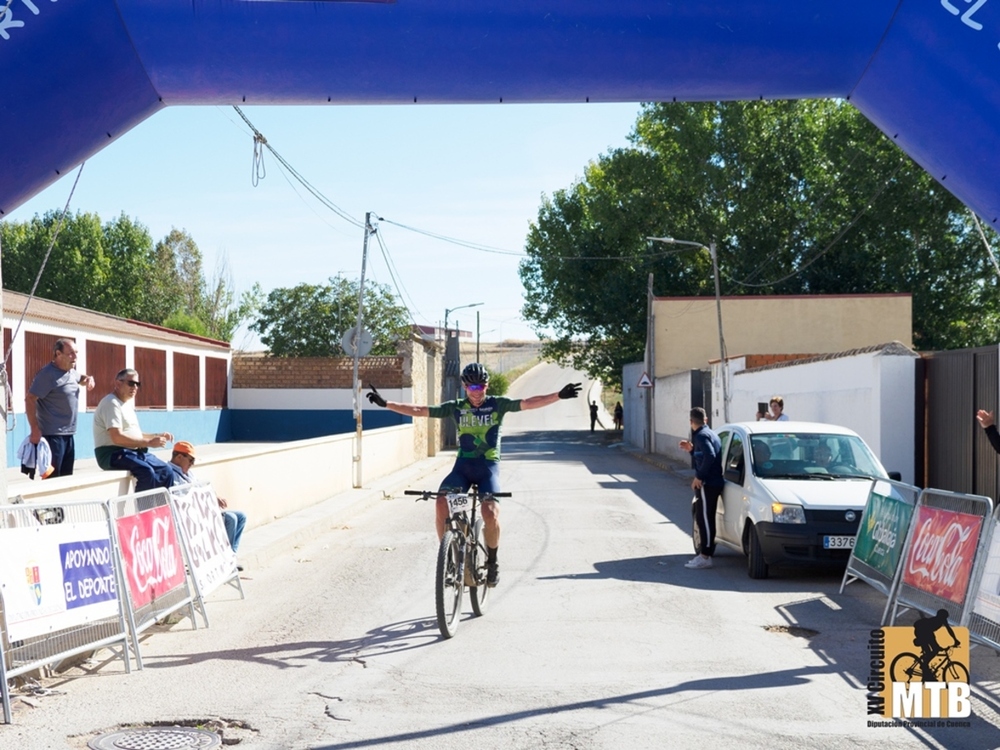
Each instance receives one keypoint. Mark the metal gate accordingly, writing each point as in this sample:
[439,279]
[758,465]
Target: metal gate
[957,455]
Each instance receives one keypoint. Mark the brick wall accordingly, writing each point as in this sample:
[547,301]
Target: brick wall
[418,366]
[260,371]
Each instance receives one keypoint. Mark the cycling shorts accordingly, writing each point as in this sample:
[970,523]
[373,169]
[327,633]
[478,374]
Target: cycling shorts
[473,471]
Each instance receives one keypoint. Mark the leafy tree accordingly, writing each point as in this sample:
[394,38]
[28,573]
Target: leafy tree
[800,197]
[309,320]
[115,268]
[78,268]
[499,384]
[129,249]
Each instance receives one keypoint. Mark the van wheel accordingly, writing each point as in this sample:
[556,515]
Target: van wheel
[756,566]
[695,531]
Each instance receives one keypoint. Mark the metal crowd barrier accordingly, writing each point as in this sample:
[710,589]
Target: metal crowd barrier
[27,536]
[984,619]
[941,557]
[148,602]
[878,548]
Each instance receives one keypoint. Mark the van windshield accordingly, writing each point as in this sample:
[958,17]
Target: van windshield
[797,455]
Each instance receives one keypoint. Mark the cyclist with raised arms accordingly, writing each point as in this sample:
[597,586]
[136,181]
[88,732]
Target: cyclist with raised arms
[478,417]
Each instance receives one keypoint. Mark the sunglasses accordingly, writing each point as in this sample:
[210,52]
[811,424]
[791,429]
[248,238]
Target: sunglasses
[185,455]
[471,387]
[132,383]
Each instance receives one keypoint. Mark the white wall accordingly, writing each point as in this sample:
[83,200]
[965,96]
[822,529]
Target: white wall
[266,481]
[673,414]
[870,392]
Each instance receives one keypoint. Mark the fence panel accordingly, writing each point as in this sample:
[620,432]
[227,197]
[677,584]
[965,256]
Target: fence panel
[155,568]
[984,619]
[59,587]
[882,533]
[940,553]
[203,534]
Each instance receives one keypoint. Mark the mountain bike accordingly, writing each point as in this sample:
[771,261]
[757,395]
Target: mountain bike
[907,668]
[461,561]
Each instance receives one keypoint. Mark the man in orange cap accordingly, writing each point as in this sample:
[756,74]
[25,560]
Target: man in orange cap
[184,457]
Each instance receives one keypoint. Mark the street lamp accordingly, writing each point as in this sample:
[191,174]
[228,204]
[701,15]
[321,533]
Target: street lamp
[718,310]
[460,307]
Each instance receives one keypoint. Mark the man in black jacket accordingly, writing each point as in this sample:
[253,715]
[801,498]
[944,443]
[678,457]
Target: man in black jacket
[706,460]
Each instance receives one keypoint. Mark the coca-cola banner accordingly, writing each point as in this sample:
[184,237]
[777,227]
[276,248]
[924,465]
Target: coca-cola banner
[151,555]
[941,553]
[880,539]
[200,519]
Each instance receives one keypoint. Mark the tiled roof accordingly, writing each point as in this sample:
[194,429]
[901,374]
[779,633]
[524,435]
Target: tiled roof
[892,349]
[43,310]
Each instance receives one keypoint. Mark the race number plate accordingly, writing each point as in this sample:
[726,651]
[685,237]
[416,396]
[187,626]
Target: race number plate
[458,503]
[838,542]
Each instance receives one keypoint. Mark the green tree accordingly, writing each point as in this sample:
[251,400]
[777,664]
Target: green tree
[78,268]
[115,268]
[800,197]
[309,320]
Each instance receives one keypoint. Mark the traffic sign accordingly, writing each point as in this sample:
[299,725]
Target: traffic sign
[645,382]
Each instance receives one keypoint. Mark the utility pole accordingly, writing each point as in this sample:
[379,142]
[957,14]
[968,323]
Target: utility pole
[355,343]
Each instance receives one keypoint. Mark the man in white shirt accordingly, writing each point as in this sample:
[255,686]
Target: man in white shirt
[119,443]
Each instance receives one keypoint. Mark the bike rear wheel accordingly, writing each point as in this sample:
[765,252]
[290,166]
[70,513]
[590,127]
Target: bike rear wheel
[480,592]
[449,585]
[906,668]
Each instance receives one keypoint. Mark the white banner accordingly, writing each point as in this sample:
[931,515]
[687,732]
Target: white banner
[212,560]
[987,601]
[54,577]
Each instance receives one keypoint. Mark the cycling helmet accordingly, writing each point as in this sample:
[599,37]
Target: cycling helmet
[475,374]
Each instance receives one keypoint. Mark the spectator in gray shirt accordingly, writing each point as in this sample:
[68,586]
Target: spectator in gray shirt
[52,402]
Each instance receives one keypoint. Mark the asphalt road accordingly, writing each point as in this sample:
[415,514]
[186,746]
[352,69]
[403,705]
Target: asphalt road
[596,638]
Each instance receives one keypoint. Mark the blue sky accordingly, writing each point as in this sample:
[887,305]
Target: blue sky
[473,172]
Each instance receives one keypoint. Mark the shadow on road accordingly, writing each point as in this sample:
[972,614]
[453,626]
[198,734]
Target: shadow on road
[781,678]
[389,639]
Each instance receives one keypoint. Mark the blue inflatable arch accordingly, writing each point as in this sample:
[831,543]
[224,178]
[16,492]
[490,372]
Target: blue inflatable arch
[80,73]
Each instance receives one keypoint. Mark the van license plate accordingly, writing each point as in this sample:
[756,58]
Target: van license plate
[838,542]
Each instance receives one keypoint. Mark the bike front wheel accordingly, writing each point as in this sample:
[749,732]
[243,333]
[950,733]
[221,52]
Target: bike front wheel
[477,560]
[449,585]
[955,671]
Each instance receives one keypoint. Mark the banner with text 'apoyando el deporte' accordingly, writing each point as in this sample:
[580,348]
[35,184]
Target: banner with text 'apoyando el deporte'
[55,577]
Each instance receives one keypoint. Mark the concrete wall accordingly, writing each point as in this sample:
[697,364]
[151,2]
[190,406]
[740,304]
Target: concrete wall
[673,414]
[297,398]
[870,391]
[264,481]
[687,333]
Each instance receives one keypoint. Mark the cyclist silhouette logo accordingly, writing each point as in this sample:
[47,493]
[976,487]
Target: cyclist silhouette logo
[925,631]
[928,681]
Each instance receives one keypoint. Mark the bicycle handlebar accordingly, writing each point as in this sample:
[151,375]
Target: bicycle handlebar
[429,493]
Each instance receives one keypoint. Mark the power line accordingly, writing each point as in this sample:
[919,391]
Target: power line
[260,142]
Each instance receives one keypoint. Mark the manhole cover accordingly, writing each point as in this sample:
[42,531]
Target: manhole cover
[156,738]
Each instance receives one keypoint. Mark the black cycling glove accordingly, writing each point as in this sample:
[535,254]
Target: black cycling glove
[375,397]
[570,390]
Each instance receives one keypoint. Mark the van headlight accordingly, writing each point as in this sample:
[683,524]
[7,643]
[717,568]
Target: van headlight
[788,513]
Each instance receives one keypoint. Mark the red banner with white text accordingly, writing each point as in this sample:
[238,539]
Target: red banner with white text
[941,553]
[151,554]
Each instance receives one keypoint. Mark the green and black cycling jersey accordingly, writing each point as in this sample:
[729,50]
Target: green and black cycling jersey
[478,426]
